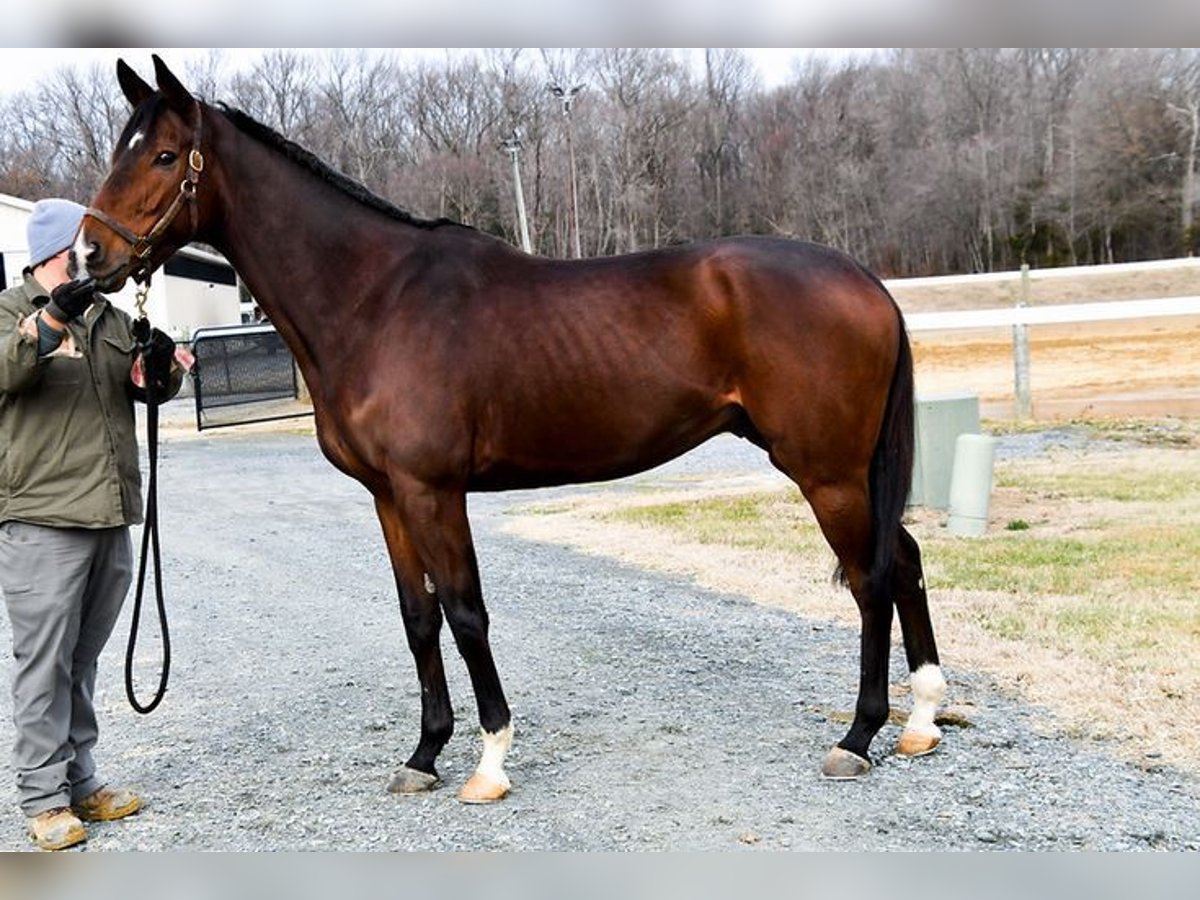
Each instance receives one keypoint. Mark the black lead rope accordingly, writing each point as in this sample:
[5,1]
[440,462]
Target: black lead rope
[141,333]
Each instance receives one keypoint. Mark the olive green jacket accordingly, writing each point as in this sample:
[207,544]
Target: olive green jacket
[68,448]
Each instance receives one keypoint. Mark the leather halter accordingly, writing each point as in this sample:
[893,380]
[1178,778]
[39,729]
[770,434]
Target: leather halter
[141,246]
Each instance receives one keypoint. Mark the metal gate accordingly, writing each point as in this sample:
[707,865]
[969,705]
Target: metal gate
[244,366]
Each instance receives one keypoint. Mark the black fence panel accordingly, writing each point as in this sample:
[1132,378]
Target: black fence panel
[243,366]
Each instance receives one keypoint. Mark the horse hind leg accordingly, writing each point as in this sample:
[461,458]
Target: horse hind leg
[921,734]
[843,511]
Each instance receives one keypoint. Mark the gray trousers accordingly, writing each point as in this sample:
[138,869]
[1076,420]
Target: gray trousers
[64,588]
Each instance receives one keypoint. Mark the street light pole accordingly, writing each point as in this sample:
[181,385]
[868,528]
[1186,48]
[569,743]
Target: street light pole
[565,97]
[512,146]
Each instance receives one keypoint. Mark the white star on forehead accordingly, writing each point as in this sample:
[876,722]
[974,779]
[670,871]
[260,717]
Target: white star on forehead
[135,140]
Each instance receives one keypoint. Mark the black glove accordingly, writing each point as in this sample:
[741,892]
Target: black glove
[68,301]
[156,361]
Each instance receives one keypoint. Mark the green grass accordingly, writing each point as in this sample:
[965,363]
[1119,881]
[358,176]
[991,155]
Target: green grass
[1017,563]
[1099,483]
[763,521]
[1126,558]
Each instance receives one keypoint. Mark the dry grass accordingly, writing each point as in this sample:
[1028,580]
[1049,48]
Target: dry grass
[1084,597]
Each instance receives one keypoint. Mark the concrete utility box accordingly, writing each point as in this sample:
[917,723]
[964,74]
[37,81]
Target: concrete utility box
[940,419]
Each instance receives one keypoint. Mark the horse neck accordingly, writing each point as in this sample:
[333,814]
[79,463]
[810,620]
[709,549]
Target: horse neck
[303,248]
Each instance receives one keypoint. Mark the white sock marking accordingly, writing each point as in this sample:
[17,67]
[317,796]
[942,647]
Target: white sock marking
[495,749]
[928,689]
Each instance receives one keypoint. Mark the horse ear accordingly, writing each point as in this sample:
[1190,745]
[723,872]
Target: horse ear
[132,85]
[177,95]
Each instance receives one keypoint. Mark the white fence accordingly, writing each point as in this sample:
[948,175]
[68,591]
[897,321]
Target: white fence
[1147,267]
[1053,315]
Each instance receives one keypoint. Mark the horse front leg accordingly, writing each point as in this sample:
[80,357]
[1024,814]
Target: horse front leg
[422,626]
[437,524]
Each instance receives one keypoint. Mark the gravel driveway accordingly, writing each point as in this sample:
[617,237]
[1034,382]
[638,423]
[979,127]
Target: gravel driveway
[650,714]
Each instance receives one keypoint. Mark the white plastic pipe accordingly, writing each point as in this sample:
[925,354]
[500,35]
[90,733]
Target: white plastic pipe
[971,484]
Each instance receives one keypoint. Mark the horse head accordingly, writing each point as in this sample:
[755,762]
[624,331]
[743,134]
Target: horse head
[152,202]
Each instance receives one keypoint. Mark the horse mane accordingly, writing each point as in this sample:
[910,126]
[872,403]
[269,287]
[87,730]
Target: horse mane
[250,126]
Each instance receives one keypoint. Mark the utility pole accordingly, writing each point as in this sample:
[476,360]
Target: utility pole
[512,146]
[565,97]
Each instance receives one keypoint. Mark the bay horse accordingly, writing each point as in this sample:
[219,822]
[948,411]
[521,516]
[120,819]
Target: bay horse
[441,360]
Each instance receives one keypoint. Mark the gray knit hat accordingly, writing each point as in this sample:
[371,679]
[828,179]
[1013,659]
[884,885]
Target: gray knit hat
[52,228]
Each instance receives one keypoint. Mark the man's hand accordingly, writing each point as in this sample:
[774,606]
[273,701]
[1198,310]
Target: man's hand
[68,301]
[156,362]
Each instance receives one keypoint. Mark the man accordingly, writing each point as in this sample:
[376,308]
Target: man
[69,490]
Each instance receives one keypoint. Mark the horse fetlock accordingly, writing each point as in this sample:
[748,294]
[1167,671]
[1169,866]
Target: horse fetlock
[921,735]
[928,690]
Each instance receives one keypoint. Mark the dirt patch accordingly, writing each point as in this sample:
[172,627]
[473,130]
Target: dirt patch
[1144,367]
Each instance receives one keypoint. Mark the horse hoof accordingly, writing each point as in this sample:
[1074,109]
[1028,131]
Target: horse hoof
[842,765]
[481,789]
[412,781]
[915,743]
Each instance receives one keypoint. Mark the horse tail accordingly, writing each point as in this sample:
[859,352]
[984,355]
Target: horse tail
[892,469]
[890,477]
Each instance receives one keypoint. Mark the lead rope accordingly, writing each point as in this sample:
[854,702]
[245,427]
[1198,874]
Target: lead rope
[141,334]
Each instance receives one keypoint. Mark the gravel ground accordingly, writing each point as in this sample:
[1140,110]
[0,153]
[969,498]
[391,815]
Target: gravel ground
[650,714]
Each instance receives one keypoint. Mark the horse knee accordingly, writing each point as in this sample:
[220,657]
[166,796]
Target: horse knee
[469,625]
[422,621]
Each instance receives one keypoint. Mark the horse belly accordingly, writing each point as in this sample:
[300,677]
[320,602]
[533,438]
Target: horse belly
[584,442]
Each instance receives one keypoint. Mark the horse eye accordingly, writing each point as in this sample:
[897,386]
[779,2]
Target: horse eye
[166,158]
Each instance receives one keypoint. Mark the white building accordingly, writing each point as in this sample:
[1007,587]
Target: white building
[193,288]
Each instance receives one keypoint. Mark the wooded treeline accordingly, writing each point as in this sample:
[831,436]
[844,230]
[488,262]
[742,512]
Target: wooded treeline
[915,161]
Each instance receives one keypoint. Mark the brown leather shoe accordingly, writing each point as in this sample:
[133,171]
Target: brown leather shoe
[56,829]
[107,804]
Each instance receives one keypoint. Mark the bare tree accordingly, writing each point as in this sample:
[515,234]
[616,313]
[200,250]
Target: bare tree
[649,99]
[279,90]
[729,80]
[360,110]
[1183,104]
[918,161]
